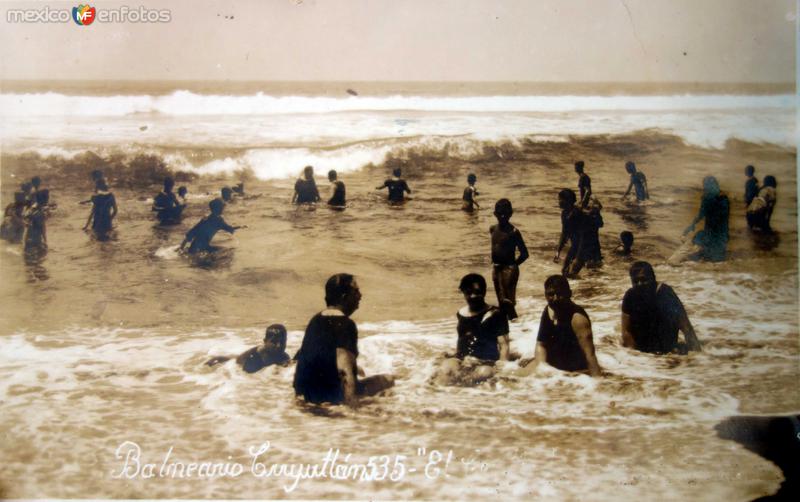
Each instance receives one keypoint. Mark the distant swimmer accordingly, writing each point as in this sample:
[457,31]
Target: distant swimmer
[238,189]
[35,238]
[182,192]
[576,228]
[652,315]
[711,242]
[482,337]
[326,362]
[338,198]
[584,184]
[166,205]
[750,185]
[201,234]
[506,242]
[104,210]
[638,182]
[592,208]
[13,227]
[96,176]
[625,246]
[226,193]
[27,189]
[468,200]
[272,351]
[305,188]
[759,212]
[565,339]
[397,187]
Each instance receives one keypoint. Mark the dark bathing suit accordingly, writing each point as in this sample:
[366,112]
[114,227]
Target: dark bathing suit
[338,198]
[478,334]
[563,350]
[750,190]
[317,376]
[505,271]
[396,187]
[584,185]
[254,363]
[306,191]
[577,227]
[103,204]
[654,319]
[201,234]
[638,178]
[170,212]
[714,236]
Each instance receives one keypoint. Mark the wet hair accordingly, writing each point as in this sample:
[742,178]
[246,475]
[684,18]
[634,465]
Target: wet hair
[470,279]
[749,170]
[278,330]
[770,181]
[568,195]
[471,178]
[397,172]
[642,266]
[560,284]
[36,181]
[630,167]
[182,191]
[626,238]
[503,206]
[168,183]
[308,171]
[337,287]
[579,166]
[710,187]
[216,206]
[332,174]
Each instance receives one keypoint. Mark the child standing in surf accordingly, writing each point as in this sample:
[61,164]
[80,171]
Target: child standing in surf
[506,241]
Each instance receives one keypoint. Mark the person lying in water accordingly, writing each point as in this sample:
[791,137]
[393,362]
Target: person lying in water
[272,351]
[201,234]
[482,337]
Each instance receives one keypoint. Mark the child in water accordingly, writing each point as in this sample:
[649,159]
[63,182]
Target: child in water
[625,244]
[338,193]
[35,238]
[506,241]
[201,234]
[397,187]
[272,351]
[468,199]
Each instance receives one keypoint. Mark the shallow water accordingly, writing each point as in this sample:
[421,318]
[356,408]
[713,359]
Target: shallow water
[104,342]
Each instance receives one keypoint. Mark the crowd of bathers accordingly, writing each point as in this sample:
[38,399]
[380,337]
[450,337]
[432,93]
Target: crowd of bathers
[326,363]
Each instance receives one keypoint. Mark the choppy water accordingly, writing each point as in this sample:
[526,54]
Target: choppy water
[104,342]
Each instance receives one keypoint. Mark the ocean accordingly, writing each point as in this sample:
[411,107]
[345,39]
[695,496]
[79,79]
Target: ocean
[102,344]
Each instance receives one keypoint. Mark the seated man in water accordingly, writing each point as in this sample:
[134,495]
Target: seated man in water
[652,315]
[638,182]
[201,234]
[759,212]
[305,188]
[469,203]
[338,193]
[168,209]
[397,187]
[272,351]
[506,242]
[565,333]
[482,337]
[326,362]
[104,210]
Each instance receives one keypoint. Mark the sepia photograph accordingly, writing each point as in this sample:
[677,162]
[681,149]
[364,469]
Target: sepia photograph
[399,250]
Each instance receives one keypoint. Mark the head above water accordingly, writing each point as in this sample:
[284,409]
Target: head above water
[227,194]
[341,291]
[770,181]
[626,238]
[749,171]
[503,209]
[473,286]
[332,175]
[710,187]
[642,275]
[36,181]
[471,178]
[557,291]
[97,174]
[630,167]
[397,172]
[168,184]
[182,191]
[308,172]
[216,206]
[579,167]
[566,198]
[275,337]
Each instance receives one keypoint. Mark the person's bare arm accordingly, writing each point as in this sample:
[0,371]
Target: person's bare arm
[583,331]
[628,191]
[561,242]
[113,207]
[523,250]
[530,368]
[345,362]
[89,220]
[502,346]
[627,333]
[692,342]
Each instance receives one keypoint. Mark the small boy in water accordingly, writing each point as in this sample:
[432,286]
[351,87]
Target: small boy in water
[272,351]
[506,241]
[201,234]
[182,192]
[338,193]
[469,203]
[397,187]
[35,238]
[625,243]
[638,181]
[750,186]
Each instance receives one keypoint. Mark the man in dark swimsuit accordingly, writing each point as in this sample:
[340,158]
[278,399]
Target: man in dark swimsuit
[575,228]
[104,210]
[638,181]
[565,332]
[272,351]
[326,362]
[750,186]
[397,187]
[506,241]
[305,189]
[338,199]
[201,234]
[652,315]
[168,209]
[482,335]
[584,184]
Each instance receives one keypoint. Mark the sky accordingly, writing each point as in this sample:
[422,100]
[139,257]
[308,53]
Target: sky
[415,40]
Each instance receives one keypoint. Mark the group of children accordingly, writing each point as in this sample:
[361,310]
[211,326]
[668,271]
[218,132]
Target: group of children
[24,220]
